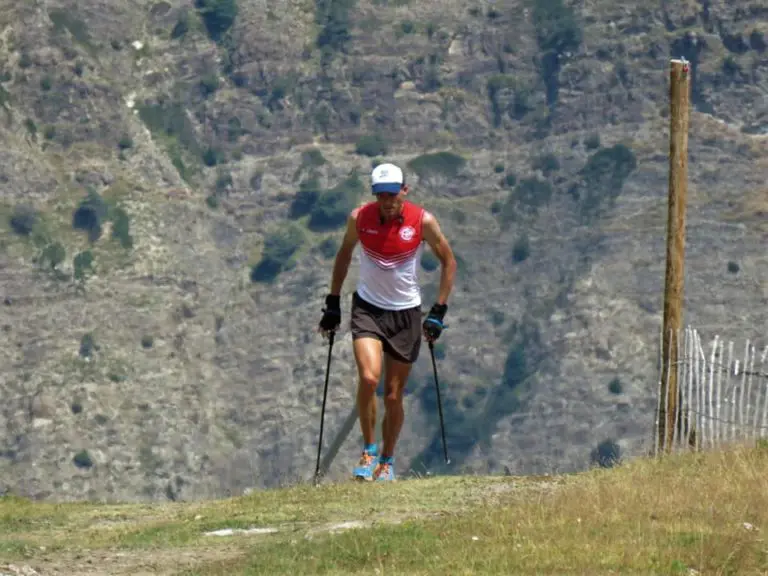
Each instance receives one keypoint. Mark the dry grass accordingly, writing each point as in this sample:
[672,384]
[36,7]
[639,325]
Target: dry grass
[702,512]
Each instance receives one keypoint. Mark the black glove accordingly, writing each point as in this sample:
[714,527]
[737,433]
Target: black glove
[331,313]
[433,325]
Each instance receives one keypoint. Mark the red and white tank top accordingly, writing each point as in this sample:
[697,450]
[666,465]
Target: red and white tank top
[389,259]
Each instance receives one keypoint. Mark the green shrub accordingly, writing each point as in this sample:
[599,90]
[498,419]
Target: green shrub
[23,220]
[372,145]
[82,459]
[429,261]
[494,86]
[333,206]
[328,247]
[82,263]
[223,181]
[121,228]
[312,158]
[218,16]
[209,84]
[607,454]
[182,25]
[211,156]
[87,345]
[546,163]
[279,250]
[557,32]
[333,17]
[615,386]
[125,142]
[515,366]
[93,211]
[168,118]
[521,249]
[444,163]
[496,317]
[603,177]
[592,141]
[528,196]
[307,196]
[52,255]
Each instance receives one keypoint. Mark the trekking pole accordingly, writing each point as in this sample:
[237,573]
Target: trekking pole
[439,402]
[322,412]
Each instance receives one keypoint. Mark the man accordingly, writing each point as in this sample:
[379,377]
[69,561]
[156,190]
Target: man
[386,307]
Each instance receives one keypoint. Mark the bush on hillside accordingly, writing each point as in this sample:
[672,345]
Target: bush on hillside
[218,16]
[23,220]
[52,255]
[446,164]
[93,212]
[603,178]
[334,19]
[529,195]
[280,248]
[307,196]
[82,263]
[429,261]
[90,215]
[557,32]
[328,248]
[372,145]
[607,454]
[521,249]
[333,206]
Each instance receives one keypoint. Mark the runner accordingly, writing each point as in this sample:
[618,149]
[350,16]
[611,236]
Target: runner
[386,306]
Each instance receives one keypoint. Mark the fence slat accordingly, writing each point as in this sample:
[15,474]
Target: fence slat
[741,389]
[690,343]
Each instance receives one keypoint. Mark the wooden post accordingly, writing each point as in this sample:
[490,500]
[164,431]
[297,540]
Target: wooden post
[679,94]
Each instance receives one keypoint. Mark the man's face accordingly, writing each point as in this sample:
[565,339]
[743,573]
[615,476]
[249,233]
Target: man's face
[390,204]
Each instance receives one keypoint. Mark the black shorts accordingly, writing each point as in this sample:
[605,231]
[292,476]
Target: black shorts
[398,330]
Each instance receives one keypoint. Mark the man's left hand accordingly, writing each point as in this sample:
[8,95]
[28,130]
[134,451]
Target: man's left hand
[433,324]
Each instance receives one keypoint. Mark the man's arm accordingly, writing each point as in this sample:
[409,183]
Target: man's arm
[442,249]
[344,255]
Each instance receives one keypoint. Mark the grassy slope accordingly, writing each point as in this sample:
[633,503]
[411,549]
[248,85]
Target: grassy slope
[704,512]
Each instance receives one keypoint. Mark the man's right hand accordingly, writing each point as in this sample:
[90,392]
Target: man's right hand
[331,314]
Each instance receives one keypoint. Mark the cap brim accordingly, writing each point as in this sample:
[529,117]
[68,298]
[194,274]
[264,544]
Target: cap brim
[386,187]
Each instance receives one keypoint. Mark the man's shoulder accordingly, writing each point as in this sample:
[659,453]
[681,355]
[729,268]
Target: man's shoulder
[419,211]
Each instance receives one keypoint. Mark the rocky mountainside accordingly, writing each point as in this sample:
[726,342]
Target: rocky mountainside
[175,177]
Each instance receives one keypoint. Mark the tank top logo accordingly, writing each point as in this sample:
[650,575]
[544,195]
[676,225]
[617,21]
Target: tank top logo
[407,233]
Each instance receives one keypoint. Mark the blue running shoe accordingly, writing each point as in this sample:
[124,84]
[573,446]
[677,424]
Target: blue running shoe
[364,468]
[385,470]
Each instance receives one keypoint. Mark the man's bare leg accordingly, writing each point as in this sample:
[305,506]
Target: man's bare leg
[368,357]
[394,385]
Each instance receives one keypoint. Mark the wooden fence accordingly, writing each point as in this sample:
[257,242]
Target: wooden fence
[722,393]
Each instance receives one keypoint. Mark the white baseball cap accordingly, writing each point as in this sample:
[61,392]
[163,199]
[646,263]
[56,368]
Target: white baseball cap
[386,178]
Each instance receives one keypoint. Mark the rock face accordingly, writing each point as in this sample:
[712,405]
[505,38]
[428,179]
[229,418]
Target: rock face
[174,187]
